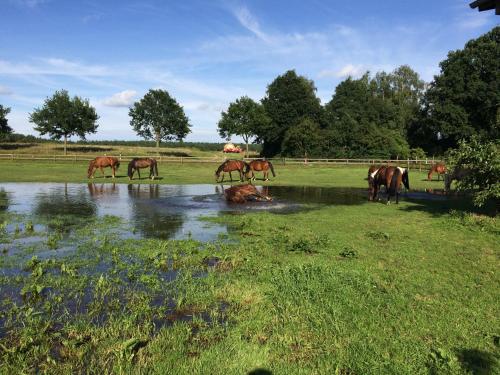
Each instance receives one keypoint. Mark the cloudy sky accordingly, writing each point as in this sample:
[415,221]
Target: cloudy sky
[208,53]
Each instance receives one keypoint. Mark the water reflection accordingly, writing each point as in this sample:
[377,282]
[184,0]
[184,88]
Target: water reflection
[96,190]
[64,201]
[4,200]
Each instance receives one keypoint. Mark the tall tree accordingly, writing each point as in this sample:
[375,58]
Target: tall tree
[245,118]
[289,99]
[303,139]
[62,117]
[464,99]
[4,122]
[158,116]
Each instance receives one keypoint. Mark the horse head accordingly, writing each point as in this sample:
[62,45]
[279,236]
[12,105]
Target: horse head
[405,179]
[219,170]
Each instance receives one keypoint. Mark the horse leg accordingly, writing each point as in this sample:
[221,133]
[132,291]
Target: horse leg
[102,171]
[231,176]
[266,176]
[113,170]
[139,172]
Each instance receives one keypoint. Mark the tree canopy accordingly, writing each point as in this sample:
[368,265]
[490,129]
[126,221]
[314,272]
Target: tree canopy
[464,98]
[289,99]
[245,118]
[63,117]
[158,116]
[4,122]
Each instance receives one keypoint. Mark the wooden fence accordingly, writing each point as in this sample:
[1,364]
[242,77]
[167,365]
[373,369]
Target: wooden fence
[409,163]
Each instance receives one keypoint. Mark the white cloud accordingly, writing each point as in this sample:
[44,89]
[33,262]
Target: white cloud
[4,90]
[349,70]
[248,21]
[121,99]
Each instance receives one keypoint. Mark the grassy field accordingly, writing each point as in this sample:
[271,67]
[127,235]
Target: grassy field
[197,173]
[355,288]
[55,148]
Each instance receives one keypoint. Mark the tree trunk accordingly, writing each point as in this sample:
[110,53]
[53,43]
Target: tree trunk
[158,144]
[65,144]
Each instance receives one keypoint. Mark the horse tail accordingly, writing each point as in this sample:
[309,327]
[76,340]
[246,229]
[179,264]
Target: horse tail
[272,168]
[395,180]
[130,168]
[91,167]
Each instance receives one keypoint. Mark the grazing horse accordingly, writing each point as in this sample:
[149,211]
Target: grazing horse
[138,163]
[245,193]
[439,168]
[259,165]
[391,178]
[456,175]
[103,162]
[231,166]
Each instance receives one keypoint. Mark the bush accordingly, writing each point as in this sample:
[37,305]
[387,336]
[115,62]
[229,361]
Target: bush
[482,159]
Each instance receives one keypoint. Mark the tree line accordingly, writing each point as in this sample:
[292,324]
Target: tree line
[384,115]
[381,115]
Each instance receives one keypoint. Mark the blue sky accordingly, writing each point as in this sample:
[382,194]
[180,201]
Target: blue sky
[208,53]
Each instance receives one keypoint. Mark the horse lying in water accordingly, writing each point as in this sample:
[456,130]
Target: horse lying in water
[138,163]
[103,162]
[391,178]
[245,193]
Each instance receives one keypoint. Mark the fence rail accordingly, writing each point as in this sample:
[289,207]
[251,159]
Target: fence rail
[410,163]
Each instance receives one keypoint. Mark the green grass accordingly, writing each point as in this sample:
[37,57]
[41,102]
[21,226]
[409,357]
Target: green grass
[199,173]
[345,289]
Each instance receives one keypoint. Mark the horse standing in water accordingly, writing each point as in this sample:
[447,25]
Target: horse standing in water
[439,168]
[138,163]
[259,165]
[391,178]
[231,166]
[103,162]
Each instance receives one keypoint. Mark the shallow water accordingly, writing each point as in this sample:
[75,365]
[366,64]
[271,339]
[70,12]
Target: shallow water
[166,211]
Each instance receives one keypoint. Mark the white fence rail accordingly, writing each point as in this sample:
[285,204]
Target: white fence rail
[410,163]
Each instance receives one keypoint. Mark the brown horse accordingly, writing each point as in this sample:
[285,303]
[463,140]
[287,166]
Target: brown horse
[245,193]
[439,168]
[391,178]
[231,166]
[138,163]
[259,165]
[103,162]
[456,175]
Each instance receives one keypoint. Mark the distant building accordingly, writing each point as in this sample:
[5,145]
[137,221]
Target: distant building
[486,5]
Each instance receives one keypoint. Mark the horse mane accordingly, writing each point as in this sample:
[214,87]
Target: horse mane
[221,167]
[91,166]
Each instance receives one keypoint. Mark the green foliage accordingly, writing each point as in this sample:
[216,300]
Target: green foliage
[62,116]
[368,117]
[158,116]
[482,159]
[289,99]
[463,100]
[303,140]
[4,127]
[245,118]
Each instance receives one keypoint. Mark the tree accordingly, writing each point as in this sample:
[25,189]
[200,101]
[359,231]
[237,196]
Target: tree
[363,120]
[158,116]
[303,139]
[4,123]
[482,159]
[289,99]
[245,118]
[464,99]
[62,117]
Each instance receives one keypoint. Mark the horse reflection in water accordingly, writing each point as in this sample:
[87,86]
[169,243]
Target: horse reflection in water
[144,191]
[101,189]
[246,193]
